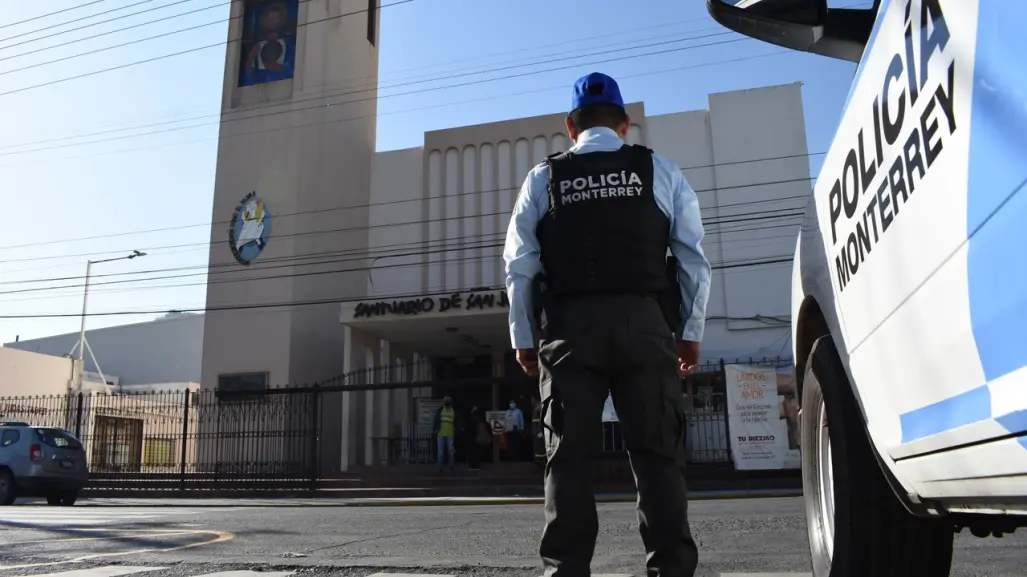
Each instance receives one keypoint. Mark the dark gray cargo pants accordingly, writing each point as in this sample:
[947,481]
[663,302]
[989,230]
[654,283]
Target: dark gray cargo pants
[621,344]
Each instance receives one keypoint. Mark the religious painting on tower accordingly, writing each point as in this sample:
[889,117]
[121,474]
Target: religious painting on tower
[268,51]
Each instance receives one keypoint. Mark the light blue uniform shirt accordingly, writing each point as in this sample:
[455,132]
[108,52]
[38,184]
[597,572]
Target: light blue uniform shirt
[673,195]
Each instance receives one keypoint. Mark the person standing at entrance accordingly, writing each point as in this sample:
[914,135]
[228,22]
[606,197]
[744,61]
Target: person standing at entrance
[513,426]
[588,274]
[445,432]
[478,437]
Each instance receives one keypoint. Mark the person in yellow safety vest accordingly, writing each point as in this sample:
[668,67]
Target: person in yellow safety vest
[446,426]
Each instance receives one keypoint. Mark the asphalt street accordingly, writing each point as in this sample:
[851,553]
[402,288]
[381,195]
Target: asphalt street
[736,538]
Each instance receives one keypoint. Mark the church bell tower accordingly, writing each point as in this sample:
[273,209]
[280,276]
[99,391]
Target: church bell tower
[290,211]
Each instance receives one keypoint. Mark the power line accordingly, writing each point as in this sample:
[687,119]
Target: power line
[321,302]
[76,29]
[116,46]
[308,258]
[763,216]
[183,52]
[49,14]
[93,156]
[444,65]
[262,113]
[353,257]
[370,269]
[233,265]
[385,225]
[426,199]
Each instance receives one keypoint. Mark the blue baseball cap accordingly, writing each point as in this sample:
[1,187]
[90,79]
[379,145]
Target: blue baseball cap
[596,88]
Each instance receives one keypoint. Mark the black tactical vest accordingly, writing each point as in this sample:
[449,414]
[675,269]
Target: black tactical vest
[604,232]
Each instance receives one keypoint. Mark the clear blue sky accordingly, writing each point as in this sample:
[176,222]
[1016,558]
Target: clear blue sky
[61,189]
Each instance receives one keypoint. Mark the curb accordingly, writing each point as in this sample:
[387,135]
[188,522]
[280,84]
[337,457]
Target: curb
[425,502]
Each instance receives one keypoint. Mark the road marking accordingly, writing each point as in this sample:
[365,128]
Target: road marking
[109,571]
[766,575]
[117,571]
[247,574]
[441,575]
[219,537]
[126,533]
[65,516]
[409,575]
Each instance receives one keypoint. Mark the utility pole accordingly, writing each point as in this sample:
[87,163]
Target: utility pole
[82,344]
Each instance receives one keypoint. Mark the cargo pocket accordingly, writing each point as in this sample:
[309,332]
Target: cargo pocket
[550,417]
[673,426]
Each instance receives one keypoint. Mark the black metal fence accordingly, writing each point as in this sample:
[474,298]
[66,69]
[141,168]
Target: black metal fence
[297,437]
[185,439]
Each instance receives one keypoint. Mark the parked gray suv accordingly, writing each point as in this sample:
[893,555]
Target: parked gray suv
[40,462]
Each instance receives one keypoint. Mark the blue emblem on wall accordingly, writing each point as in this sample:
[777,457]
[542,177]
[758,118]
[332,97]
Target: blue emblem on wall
[250,228]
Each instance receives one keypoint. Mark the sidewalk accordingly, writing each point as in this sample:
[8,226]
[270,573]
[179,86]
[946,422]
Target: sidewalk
[394,487]
[328,499]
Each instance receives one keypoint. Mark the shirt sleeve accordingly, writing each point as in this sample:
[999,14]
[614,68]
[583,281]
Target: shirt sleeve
[521,254]
[686,234]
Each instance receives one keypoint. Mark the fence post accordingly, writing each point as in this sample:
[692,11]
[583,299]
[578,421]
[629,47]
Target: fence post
[315,432]
[727,410]
[185,436]
[78,417]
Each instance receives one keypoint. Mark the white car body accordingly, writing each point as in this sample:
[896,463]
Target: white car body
[926,301]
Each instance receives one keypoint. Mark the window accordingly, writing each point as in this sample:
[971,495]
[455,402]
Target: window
[159,452]
[242,382]
[58,438]
[372,20]
[9,438]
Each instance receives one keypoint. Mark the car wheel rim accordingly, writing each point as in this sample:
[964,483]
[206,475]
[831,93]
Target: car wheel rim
[825,478]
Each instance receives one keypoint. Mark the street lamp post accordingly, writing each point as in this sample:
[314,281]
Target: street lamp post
[85,296]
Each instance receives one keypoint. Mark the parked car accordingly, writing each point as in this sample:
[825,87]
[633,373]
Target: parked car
[40,462]
[909,297]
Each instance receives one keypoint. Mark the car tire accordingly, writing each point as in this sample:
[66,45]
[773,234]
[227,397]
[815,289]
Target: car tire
[857,525]
[8,489]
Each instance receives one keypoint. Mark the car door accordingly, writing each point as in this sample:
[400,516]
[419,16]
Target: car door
[916,208]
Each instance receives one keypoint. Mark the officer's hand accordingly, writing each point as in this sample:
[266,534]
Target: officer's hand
[528,359]
[688,356]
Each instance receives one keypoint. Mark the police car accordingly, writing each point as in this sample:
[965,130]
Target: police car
[909,286]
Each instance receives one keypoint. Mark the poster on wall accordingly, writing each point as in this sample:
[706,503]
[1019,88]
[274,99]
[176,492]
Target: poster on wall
[762,418]
[268,51]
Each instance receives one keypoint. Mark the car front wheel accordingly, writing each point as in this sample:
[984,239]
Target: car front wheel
[857,526]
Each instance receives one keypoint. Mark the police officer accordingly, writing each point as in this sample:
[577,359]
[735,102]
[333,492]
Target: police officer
[597,222]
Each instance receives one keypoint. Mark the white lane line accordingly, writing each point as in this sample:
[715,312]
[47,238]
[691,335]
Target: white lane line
[248,574]
[39,516]
[107,571]
[409,575]
[440,575]
[766,575]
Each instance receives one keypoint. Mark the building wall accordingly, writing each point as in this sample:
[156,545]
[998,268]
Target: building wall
[746,157]
[24,374]
[166,350]
[441,211]
[310,163]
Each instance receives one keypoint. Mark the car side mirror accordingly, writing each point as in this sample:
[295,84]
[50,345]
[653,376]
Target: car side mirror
[803,25]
